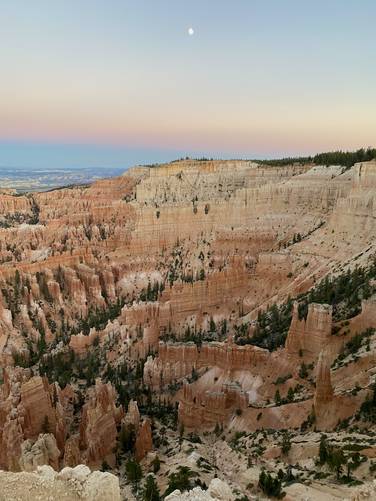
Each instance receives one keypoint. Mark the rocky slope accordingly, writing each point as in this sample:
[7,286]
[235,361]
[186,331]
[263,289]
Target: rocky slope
[197,296]
[70,484]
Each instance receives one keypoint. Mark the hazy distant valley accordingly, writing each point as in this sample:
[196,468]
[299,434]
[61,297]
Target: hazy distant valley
[32,179]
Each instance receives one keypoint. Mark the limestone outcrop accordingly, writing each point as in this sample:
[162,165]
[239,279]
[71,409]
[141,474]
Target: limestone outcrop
[177,360]
[99,419]
[310,336]
[43,451]
[218,489]
[132,417]
[30,407]
[330,409]
[203,411]
[324,390]
[141,428]
[93,278]
[36,407]
[144,440]
[69,484]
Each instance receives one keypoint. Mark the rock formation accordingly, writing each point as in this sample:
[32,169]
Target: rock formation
[177,360]
[36,407]
[330,409]
[310,336]
[132,416]
[43,451]
[205,411]
[142,430]
[217,490]
[324,389]
[144,440]
[69,484]
[100,417]
[145,284]
[29,407]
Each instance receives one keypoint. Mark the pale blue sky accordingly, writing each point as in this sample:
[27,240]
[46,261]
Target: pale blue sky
[116,82]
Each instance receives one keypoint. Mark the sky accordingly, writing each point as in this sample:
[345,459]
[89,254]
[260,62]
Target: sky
[121,82]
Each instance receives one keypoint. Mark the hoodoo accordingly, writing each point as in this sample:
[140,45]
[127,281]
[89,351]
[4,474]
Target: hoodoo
[192,321]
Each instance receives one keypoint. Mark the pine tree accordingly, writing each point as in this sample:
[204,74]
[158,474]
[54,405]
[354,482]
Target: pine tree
[290,395]
[323,449]
[277,398]
[286,443]
[151,491]
[133,471]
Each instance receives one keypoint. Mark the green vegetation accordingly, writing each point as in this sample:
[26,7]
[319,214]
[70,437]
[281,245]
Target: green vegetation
[156,463]
[151,491]
[152,292]
[272,327]
[181,480]
[286,443]
[133,471]
[282,379]
[303,371]
[277,398]
[64,366]
[343,292]
[216,332]
[354,345]
[98,318]
[345,158]
[336,457]
[367,410]
[271,486]
[127,438]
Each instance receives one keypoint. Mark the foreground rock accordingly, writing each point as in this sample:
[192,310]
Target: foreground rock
[217,490]
[70,484]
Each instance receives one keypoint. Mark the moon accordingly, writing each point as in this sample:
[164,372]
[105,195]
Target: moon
[191,32]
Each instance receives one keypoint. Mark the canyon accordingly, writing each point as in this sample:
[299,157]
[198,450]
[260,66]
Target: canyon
[189,311]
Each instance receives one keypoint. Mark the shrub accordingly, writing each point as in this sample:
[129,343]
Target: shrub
[181,480]
[271,486]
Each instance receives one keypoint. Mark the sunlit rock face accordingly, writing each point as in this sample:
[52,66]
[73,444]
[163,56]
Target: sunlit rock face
[98,431]
[310,336]
[153,277]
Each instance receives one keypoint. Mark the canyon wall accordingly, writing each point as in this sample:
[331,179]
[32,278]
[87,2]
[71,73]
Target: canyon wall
[108,270]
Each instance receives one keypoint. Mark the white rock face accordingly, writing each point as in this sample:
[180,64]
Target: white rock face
[81,472]
[43,451]
[217,490]
[71,484]
[367,491]
[220,490]
[102,487]
[196,494]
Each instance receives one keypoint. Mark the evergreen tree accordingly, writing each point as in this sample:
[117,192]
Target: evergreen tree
[181,480]
[271,486]
[151,491]
[127,438]
[336,460]
[277,398]
[133,471]
[286,443]
[323,449]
